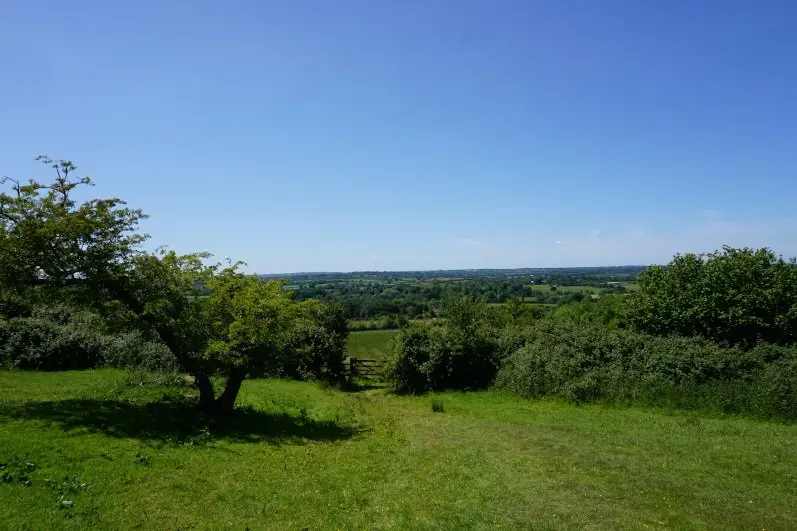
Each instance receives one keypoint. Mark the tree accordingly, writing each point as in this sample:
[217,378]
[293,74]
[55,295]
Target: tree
[318,342]
[248,323]
[736,297]
[47,239]
[50,243]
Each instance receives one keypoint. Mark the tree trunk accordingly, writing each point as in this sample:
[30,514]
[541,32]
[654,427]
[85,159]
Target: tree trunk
[122,291]
[206,394]
[223,405]
[226,401]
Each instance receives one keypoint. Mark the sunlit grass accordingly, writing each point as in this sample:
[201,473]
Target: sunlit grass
[300,456]
[372,344]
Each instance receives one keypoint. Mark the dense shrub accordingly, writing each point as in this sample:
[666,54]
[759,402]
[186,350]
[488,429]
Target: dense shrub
[59,337]
[463,355]
[584,363]
[410,363]
[37,343]
[135,351]
[317,345]
[318,354]
[13,305]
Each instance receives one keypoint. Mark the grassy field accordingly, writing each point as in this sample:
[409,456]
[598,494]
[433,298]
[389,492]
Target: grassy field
[108,450]
[369,343]
[576,289]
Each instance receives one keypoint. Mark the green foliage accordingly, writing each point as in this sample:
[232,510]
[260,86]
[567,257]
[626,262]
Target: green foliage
[409,362]
[517,312]
[14,305]
[134,350]
[52,338]
[61,337]
[587,363]
[386,300]
[318,342]
[46,237]
[248,322]
[212,320]
[17,470]
[733,297]
[462,355]
[67,489]
[606,310]
[438,406]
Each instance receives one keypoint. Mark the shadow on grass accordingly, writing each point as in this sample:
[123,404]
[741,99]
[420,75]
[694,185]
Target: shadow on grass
[356,387]
[169,420]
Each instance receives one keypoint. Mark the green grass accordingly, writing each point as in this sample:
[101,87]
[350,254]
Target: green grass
[369,343]
[302,457]
[575,289]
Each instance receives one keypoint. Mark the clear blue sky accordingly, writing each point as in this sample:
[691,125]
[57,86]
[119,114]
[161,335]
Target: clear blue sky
[374,134]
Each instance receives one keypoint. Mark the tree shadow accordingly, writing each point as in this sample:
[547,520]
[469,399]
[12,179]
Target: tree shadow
[360,387]
[175,420]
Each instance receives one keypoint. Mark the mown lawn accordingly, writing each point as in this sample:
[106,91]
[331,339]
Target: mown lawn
[370,344]
[135,455]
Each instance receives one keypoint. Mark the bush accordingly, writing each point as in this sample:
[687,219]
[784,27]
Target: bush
[317,345]
[433,358]
[36,343]
[319,354]
[60,337]
[407,364]
[135,351]
[13,305]
[583,363]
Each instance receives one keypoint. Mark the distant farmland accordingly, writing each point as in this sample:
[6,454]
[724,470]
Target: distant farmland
[370,343]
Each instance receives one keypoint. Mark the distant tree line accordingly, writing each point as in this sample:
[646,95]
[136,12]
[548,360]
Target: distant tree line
[392,300]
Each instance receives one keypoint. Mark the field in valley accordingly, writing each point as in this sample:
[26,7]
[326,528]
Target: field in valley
[372,344]
[106,449]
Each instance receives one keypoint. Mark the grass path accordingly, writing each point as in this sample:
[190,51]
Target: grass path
[303,457]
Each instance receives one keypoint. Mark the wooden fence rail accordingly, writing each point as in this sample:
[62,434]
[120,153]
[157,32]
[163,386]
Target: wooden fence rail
[365,368]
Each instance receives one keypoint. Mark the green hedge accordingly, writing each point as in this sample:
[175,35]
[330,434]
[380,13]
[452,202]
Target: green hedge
[592,364]
[61,338]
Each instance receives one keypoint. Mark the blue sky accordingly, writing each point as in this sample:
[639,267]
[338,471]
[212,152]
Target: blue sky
[352,135]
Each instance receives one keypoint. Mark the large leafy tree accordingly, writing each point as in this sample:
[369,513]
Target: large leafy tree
[248,324]
[736,297]
[48,239]
[50,243]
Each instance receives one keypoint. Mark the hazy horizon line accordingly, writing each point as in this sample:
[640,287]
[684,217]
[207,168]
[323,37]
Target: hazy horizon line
[451,269]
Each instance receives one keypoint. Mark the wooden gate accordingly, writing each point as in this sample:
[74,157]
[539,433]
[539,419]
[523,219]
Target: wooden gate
[369,369]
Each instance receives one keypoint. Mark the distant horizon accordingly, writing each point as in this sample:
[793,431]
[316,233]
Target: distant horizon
[366,271]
